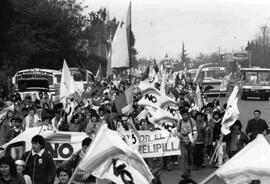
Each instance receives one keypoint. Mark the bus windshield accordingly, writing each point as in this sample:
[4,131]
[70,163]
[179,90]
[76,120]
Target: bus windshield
[214,74]
[35,77]
[257,78]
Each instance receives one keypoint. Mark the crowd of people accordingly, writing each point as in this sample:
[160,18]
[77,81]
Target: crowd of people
[38,167]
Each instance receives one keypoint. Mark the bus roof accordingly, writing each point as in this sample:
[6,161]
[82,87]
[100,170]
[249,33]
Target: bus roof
[39,70]
[255,69]
[213,68]
[206,69]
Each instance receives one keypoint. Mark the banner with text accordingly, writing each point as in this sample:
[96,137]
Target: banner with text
[61,145]
[157,143]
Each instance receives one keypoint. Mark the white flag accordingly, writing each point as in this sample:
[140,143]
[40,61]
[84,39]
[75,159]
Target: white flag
[67,85]
[231,113]
[120,45]
[199,70]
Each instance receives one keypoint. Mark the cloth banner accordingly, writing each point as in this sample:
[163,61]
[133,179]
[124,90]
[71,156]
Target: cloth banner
[61,145]
[157,143]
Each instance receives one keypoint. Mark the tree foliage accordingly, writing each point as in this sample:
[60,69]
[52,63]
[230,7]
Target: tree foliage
[42,33]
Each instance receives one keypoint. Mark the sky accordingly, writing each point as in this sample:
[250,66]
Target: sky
[205,26]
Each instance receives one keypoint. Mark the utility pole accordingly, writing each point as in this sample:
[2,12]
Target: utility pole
[219,56]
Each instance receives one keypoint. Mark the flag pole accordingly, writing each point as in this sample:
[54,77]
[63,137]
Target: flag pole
[130,62]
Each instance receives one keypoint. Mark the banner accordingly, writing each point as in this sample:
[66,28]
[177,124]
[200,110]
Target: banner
[61,145]
[157,143]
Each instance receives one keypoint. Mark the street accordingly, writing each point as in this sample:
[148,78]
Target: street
[246,108]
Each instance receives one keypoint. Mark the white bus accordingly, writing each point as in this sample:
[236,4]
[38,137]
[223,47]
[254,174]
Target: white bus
[256,83]
[31,81]
[211,76]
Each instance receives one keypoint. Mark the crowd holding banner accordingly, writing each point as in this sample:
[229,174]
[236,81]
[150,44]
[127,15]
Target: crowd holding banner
[152,122]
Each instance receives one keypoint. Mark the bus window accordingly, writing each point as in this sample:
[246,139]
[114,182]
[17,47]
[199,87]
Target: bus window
[58,78]
[264,78]
[251,78]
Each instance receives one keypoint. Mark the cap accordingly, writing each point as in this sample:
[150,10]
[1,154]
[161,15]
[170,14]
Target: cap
[19,162]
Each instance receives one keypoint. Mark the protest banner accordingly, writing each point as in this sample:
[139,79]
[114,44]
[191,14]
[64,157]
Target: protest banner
[157,143]
[61,145]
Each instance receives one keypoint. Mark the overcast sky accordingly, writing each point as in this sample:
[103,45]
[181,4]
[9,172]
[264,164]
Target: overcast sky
[160,26]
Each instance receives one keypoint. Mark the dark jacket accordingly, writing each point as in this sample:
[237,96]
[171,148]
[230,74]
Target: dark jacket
[236,141]
[41,169]
[256,127]
[72,163]
[13,180]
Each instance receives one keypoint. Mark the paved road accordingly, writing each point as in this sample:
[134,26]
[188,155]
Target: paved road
[246,108]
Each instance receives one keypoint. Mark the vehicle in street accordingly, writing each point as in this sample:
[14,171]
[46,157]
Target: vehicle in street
[211,76]
[256,83]
[29,81]
[32,81]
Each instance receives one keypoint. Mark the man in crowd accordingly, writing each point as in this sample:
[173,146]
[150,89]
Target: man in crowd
[186,128]
[81,177]
[256,126]
[39,164]
[31,119]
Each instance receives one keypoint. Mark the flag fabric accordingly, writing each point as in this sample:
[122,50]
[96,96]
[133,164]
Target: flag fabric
[183,80]
[120,45]
[156,100]
[145,74]
[224,82]
[155,67]
[67,84]
[198,72]
[109,157]
[231,112]
[99,73]
[146,87]
[199,101]
[251,163]
[157,116]
[163,82]
[124,102]
[177,80]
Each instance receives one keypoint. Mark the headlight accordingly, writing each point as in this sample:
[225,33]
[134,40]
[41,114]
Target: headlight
[267,90]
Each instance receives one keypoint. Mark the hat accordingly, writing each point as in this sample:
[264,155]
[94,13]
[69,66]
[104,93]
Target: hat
[19,162]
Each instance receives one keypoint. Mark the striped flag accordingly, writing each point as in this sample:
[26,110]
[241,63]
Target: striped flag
[109,157]
[124,102]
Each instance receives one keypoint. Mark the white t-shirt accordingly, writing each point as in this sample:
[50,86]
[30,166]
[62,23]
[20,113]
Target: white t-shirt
[27,179]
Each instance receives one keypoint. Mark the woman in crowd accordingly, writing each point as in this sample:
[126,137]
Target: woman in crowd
[5,127]
[20,165]
[236,140]
[8,173]
[200,142]
[63,174]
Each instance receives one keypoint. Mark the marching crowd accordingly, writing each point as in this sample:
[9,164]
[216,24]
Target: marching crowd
[199,133]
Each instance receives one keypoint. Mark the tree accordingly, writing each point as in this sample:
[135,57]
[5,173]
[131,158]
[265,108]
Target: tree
[184,54]
[42,33]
